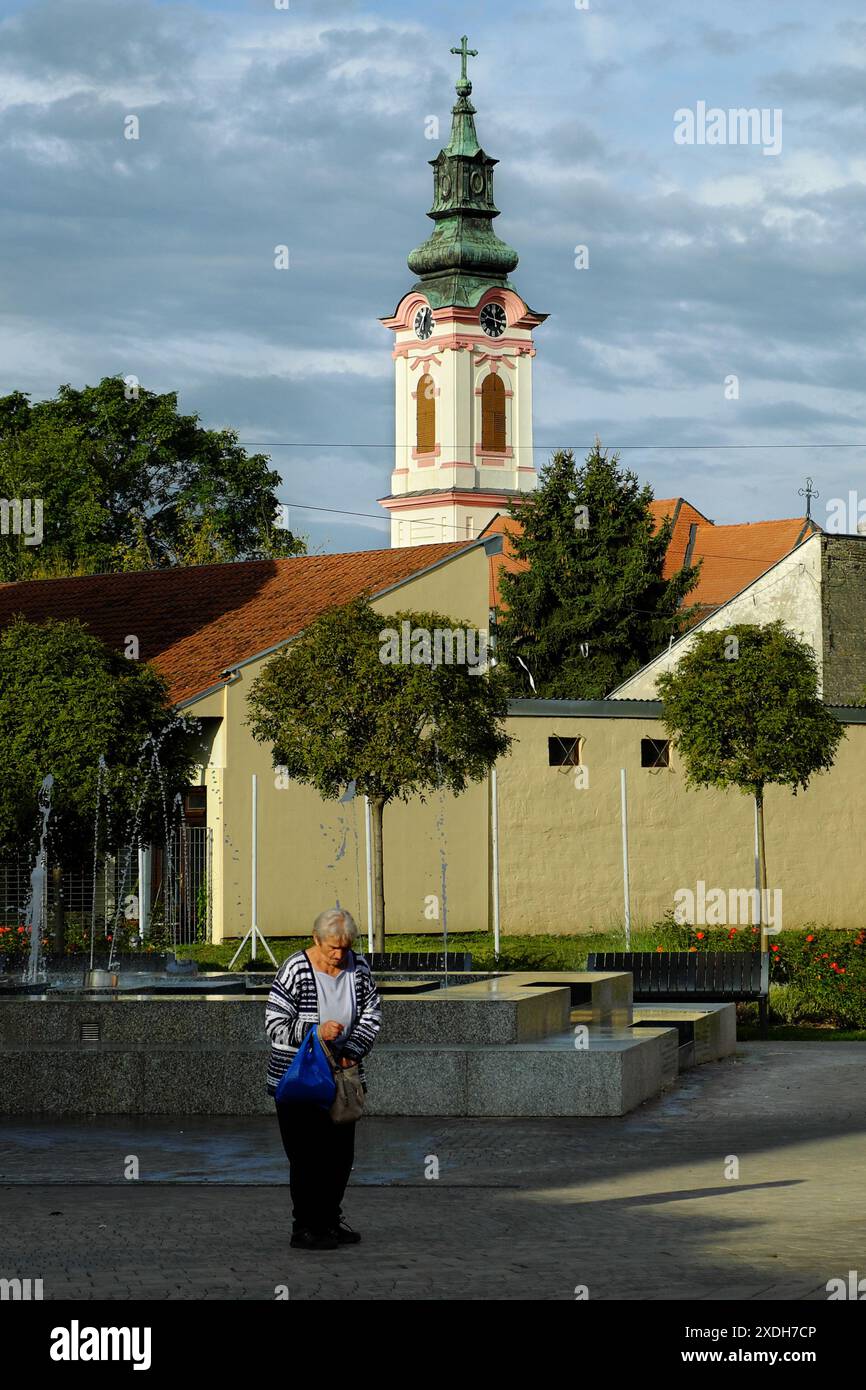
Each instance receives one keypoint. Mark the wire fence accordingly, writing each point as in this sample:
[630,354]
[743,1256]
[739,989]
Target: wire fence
[179,893]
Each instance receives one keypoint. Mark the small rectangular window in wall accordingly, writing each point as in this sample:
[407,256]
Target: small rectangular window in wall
[655,752]
[563,752]
[195,806]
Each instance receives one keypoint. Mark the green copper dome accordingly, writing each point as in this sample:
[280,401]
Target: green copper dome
[463,257]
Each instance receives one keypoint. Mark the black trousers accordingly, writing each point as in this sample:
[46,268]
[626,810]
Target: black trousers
[320,1156]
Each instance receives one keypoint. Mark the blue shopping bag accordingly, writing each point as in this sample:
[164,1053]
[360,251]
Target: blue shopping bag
[309,1080]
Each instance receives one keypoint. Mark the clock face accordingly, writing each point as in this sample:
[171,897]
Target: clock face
[423,323]
[493,320]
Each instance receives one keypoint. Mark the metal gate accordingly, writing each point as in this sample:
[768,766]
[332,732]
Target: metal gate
[188,883]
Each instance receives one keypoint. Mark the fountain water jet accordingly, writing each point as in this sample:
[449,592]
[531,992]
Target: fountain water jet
[38,878]
[100,778]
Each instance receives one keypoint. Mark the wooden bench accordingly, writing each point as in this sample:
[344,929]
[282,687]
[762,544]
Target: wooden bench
[683,976]
[385,961]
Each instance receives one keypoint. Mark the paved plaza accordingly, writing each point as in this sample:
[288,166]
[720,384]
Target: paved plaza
[641,1207]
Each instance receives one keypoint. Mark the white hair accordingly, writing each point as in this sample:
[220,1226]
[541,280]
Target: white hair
[337,923]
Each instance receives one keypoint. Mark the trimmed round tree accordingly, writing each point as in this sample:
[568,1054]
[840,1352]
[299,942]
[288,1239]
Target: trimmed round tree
[742,709]
[67,700]
[361,698]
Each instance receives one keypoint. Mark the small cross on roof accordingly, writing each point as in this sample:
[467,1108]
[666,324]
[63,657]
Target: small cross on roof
[464,52]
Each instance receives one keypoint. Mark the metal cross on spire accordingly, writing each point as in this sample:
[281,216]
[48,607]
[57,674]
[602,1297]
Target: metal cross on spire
[464,52]
[808,492]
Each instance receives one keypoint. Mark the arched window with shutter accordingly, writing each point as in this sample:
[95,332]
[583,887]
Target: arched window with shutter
[493,414]
[425,403]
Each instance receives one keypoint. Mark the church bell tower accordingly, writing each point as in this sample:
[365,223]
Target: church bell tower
[462,354]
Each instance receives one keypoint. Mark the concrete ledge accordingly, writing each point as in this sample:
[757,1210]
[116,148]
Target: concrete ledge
[207,1020]
[492,1012]
[602,997]
[125,1080]
[708,1030]
[617,1072]
[504,1045]
[505,1009]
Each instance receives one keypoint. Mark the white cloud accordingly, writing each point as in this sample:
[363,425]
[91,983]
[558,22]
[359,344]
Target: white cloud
[734,190]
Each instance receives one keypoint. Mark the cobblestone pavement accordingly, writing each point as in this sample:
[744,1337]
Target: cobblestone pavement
[642,1207]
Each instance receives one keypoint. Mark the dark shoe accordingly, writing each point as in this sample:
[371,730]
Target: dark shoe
[344,1234]
[313,1240]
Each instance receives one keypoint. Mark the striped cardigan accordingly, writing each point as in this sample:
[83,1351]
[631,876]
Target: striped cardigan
[293,1008]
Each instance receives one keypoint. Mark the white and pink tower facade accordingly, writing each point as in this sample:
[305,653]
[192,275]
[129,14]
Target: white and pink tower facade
[463,351]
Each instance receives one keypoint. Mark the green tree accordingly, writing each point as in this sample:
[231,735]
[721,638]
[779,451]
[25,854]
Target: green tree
[742,709]
[593,606]
[66,700]
[126,482]
[337,711]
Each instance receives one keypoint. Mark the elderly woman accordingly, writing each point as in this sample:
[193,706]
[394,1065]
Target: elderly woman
[330,987]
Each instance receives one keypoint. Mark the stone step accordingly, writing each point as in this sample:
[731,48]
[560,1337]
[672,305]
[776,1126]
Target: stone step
[707,1032]
[616,1071]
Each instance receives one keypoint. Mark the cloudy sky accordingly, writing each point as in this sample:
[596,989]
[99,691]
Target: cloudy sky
[305,126]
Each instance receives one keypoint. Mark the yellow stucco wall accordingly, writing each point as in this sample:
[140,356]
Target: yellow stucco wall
[312,853]
[561,847]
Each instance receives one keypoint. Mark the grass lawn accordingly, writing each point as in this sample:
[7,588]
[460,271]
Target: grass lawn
[748,1032]
[517,953]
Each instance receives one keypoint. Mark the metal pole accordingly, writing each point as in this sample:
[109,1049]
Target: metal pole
[254,910]
[209,871]
[494,829]
[143,890]
[254,932]
[368,825]
[625,883]
[758,885]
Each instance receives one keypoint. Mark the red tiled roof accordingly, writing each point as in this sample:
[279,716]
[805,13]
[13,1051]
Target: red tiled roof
[194,623]
[504,526]
[685,517]
[733,555]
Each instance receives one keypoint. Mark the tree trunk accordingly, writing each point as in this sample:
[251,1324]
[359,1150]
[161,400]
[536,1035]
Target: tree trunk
[762,870]
[377,806]
[58,929]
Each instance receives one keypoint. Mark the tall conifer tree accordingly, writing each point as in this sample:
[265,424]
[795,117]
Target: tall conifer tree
[592,607]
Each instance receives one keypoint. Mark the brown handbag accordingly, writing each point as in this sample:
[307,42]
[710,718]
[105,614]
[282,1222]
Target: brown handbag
[348,1103]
